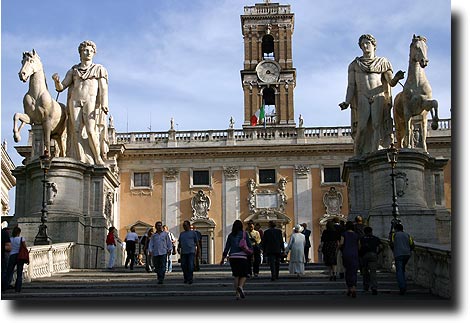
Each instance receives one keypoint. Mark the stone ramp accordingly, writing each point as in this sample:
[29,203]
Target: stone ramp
[212,283]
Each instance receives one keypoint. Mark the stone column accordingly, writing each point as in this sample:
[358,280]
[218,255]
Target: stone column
[230,199]
[303,200]
[171,201]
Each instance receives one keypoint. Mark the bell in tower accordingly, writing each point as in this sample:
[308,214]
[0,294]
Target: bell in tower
[268,76]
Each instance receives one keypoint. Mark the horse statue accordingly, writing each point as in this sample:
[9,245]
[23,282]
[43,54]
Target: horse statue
[416,97]
[39,107]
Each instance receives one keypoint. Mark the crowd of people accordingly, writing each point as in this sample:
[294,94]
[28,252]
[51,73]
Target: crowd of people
[348,248]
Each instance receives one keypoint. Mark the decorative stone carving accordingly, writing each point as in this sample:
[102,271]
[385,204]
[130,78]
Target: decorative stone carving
[302,171]
[51,192]
[267,200]
[251,195]
[282,194]
[333,201]
[171,174]
[108,204]
[231,172]
[401,183]
[200,204]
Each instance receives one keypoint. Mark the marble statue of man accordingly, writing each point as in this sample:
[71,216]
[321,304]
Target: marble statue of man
[369,95]
[87,107]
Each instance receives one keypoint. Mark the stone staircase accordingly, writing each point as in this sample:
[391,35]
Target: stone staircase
[214,283]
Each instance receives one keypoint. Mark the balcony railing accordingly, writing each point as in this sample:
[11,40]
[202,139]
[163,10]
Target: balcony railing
[289,134]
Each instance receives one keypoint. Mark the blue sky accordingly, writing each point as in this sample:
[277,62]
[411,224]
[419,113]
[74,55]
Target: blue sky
[163,57]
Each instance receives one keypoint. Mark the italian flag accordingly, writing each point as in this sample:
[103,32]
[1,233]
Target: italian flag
[258,117]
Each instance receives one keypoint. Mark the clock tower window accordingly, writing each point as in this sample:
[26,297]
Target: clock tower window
[267,46]
[268,96]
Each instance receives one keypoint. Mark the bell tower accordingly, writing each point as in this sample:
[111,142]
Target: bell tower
[268,76]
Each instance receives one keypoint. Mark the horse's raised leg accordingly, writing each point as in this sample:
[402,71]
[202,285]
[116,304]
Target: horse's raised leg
[23,118]
[435,115]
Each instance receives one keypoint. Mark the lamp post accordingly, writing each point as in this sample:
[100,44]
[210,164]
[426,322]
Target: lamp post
[392,156]
[42,238]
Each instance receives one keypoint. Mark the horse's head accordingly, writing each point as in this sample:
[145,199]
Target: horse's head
[419,51]
[30,64]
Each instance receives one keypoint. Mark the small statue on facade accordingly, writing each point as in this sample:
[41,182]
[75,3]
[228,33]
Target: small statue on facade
[282,193]
[200,204]
[251,195]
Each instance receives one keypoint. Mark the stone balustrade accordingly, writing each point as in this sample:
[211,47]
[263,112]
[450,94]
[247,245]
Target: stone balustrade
[429,266]
[44,261]
[47,260]
[287,135]
[266,10]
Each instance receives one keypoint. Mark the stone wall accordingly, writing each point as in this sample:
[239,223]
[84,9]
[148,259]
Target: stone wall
[429,266]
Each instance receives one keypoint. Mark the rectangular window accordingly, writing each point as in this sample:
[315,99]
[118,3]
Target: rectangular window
[267,176]
[331,175]
[142,179]
[201,178]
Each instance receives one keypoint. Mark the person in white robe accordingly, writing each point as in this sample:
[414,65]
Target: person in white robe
[296,248]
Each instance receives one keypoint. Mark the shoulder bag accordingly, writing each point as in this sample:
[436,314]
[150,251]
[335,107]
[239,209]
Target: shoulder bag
[244,246]
[23,254]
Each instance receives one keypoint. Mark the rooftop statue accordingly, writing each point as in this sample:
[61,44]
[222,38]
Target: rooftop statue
[369,95]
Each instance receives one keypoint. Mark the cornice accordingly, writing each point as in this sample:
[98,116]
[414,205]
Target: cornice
[237,152]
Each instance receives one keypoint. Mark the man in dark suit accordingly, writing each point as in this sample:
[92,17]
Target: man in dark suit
[273,247]
[306,232]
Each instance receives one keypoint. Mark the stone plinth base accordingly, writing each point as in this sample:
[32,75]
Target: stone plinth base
[419,182]
[81,202]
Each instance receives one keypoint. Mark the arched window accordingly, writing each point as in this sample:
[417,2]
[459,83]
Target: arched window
[269,106]
[267,46]
[268,96]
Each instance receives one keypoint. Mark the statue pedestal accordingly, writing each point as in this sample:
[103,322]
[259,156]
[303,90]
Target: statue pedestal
[81,206]
[420,191]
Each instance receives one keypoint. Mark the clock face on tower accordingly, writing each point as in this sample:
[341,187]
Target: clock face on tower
[268,71]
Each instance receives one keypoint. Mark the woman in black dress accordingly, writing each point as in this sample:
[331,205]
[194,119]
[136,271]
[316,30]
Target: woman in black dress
[329,246]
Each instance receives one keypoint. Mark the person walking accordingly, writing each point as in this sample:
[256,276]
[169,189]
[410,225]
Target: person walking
[145,240]
[6,248]
[359,229]
[160,247]
[329,248]
[306,232]
[297,247]
[169,262]
[131,240]
[111,247]
[187,246]
[261,232]
[350,246]
[402,244]
[340,228]
[370,248]
[255,259]
[273,247]
[237,257]
[198,251]
[16,241]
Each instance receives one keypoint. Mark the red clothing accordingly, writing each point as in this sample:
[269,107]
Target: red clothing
[110,239]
